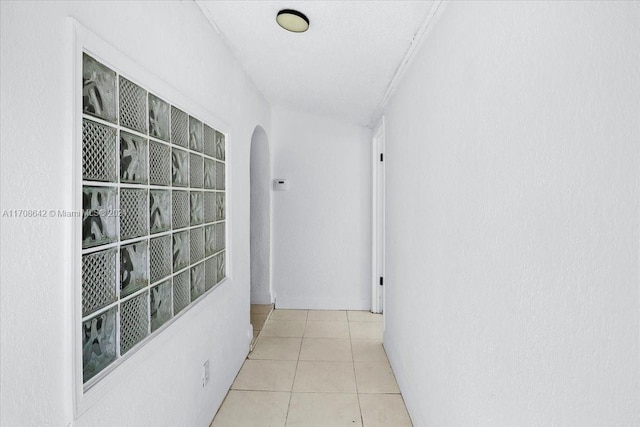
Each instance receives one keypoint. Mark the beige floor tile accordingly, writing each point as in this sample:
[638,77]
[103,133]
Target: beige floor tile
[257,320]
[284,328]
[323,410]
[363,316]
[326,329]
[375,377]
[327,377]
[327,349]
[368,351]
[384,410]
[366,331]
[252,408]
[265,375]
[261,308]
[327,315]
[276,348]
[289,315]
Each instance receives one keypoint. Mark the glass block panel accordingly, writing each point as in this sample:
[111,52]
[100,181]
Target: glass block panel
[220,176]
[160,202]
[134,213]
[210,273]
[181,291]
[220,267]
[98,89]
[160,304]
[98,280]
[98,343]
[180,167]
[220,146]
[209,141]
[133,158]
[196,207]
[220,236]
[181,215]
[155,144]
[159,163]
[197,244]
[133,106]
[158,118]
[179,127]
[209,240]
[209,204]
[197,281]
[134,321]
[181,250]
[195,134]
[196,172]
[99,151]
[209,174]
[160,257]
[133,267]
[150,144]
[99,225]
[219,206]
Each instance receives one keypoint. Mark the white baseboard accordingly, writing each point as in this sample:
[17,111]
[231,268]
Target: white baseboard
[250,332]
[311,303]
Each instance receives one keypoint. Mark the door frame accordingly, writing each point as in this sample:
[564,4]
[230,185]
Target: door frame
[378,217]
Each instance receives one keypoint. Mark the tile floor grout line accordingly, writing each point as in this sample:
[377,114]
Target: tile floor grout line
[295,373]
[353,361]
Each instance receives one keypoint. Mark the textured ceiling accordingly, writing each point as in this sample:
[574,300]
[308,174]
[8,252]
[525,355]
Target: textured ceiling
[340,68]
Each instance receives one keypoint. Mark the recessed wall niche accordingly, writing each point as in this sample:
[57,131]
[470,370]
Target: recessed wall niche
[153,219]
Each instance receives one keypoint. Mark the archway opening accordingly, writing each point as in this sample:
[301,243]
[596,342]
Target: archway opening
[260,229]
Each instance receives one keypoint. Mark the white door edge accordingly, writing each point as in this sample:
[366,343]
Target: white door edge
[378,217]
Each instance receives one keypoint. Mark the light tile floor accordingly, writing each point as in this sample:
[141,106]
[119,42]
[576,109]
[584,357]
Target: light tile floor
[316,368]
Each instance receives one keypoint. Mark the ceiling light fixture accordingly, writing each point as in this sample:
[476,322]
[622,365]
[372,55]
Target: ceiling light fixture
[292,20]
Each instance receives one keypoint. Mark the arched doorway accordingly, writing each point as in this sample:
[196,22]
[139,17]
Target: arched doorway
[260,218]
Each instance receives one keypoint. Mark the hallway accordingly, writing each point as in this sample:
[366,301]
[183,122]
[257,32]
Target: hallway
[164,164]
[316,368]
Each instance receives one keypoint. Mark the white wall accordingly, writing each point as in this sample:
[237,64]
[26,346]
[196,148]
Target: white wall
[260,170]
[512,206]
[322,225]
[160,384]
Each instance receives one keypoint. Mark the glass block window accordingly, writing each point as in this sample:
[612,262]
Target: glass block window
[180,214]
[133,106]
[181,295]
[179,127]
[153,215]
[133,158]
[159,163]
[98,280]
[98,151]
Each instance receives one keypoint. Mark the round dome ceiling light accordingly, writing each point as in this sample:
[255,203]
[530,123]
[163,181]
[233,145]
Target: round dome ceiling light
[292,20]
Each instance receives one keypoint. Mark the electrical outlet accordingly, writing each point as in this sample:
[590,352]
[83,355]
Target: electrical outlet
[205,373]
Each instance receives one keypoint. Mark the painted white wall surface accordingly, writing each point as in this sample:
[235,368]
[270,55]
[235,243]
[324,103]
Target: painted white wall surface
[260,170]
[322,225]
[161,384]
[513,149]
